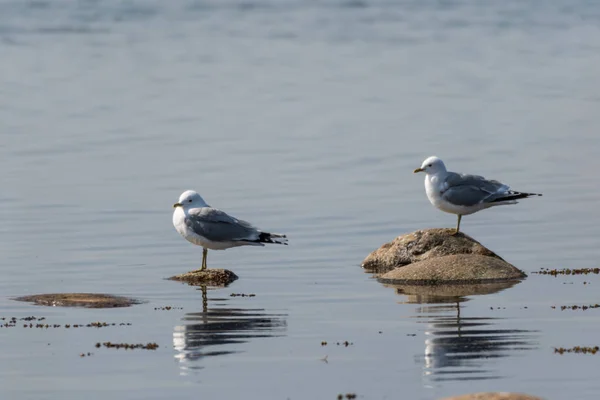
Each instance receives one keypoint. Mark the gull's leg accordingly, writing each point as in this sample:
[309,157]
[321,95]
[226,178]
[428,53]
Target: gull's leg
[204,253]
[458,224]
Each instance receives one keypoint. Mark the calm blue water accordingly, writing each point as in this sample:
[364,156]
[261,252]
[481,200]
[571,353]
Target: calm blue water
[303,117]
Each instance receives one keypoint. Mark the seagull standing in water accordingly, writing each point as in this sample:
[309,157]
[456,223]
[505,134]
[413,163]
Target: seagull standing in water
[213,229]
[463,194]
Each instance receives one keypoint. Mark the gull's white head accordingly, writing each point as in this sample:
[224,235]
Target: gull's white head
[432,166]
[190,199]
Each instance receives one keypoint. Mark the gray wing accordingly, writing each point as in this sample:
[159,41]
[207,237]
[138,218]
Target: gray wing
[217,226]
[469,190]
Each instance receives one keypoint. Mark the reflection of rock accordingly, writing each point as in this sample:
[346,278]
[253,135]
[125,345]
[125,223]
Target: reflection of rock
[88,300]
[459,347]
[216,331]
[210,277]
[436,256]
[459,268]
[434,294]
[494,396]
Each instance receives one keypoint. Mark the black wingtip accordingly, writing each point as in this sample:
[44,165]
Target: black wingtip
[515,196]
[265,237]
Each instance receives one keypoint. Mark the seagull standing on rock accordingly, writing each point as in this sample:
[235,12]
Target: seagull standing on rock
[213,229]
[463,194]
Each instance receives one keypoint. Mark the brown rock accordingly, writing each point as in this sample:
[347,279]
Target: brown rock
[457,268]
[494,396]
[208,277]
[422,245]
[88,300]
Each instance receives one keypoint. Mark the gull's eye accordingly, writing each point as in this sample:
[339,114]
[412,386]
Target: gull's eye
[190,200]
[430,165]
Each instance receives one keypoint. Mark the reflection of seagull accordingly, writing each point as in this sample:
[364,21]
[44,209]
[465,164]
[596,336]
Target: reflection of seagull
[458,347]
[218,331]
[213,229]
[463,194]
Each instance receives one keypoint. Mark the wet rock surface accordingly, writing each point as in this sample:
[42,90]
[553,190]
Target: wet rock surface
[423,245]
[209,277]
[438,256]
[88,300]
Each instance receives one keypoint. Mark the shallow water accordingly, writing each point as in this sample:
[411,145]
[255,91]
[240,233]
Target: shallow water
[307,118]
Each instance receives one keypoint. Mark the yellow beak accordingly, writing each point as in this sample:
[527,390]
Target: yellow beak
[177,205]
[418,170]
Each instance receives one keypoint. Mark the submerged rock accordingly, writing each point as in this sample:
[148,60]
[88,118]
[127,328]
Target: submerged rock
[208,277]
[494,396]
[458,268]
[435,256]
[88,300]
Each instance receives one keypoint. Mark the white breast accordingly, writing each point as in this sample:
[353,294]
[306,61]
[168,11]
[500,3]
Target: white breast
[435,186]
[179,221]
[433,190]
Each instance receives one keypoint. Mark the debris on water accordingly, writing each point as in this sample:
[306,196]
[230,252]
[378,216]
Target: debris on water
[493,396]
[11,322]
[85,354]
[577,349]
[348,396]
[242,295]
[168,308]
[128,346]
[568,271]
[32,318]
[411,334]
[576,307]
[345,343]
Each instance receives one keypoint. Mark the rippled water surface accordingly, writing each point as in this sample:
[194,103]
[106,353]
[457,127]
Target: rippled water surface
[303,117]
